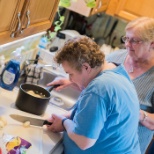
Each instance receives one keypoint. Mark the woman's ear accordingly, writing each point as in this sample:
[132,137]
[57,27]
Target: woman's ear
[87,67]
[152,45]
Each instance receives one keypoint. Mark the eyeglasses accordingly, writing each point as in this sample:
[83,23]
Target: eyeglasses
[132,41]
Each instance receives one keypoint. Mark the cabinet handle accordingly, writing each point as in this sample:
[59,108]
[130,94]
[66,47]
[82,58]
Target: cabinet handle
[99,5]
[28,21]
[19,25]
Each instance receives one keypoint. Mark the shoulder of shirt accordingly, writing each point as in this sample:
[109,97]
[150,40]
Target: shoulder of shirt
[117,53]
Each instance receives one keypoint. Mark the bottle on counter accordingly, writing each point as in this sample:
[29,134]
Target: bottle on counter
[11,72]
[42,45]
[43,42]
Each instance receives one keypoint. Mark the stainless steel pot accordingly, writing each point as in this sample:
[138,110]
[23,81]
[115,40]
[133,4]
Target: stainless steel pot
[31,103]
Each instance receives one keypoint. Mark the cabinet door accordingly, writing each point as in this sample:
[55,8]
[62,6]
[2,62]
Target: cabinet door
[101,6]
[36,14]
[9,18]
[41,14]
[130,9]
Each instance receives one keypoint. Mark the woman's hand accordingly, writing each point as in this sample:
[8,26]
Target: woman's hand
[142,116]
[81,141]
[56,123]
[63,82]
[147,119]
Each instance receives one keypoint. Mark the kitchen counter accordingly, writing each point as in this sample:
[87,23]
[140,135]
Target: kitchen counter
[51,141]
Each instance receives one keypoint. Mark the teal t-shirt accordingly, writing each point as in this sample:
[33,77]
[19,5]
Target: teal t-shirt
[108,111]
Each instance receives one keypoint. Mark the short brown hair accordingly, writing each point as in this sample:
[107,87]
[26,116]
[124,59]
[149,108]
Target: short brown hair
[78,50]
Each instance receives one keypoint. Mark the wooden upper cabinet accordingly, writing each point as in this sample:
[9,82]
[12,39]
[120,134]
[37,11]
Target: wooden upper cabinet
[131,9]
[101,6]
[41,15]
[21,18]
[80,7]
[8,16]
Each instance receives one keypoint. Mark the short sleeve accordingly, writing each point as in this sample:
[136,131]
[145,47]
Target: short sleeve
[91,116]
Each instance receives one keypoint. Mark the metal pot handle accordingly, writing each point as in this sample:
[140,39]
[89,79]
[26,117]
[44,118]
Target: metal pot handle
[52,87]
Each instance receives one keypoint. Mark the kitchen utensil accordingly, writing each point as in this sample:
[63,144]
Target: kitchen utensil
[33,121]
[29,103]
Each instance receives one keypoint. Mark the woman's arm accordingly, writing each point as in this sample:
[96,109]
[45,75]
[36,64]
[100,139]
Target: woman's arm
[63,82]
[81,141]
[68,125]
[147,119]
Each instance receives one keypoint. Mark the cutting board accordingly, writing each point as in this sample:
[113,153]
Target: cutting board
[31,134]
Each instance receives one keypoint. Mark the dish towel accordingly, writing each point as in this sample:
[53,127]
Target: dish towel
[33,72]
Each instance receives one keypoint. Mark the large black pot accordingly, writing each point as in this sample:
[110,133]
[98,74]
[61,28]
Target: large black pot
[32,104]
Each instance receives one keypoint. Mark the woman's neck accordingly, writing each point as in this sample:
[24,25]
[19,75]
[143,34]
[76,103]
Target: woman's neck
[136,67]
[95,71]
[140,63]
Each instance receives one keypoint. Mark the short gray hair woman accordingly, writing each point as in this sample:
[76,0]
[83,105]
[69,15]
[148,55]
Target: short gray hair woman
[138,59]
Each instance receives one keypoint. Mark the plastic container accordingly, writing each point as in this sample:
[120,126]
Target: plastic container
[11,72]
[43,43]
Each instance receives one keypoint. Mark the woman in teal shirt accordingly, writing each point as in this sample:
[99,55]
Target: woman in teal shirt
[105,118]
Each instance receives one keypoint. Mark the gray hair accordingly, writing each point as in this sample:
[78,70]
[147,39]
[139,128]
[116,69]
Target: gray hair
[143,28]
